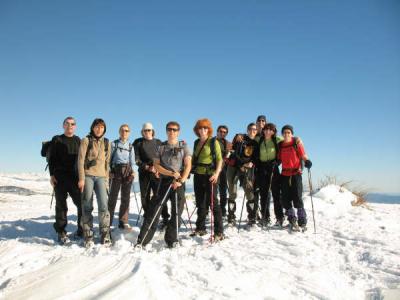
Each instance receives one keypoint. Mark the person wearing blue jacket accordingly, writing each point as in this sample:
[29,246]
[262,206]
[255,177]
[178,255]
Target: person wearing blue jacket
[121,176]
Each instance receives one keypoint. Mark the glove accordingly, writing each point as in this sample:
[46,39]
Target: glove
[308,164]
[277,162]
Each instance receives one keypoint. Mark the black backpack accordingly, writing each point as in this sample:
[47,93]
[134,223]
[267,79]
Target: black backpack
[46,149]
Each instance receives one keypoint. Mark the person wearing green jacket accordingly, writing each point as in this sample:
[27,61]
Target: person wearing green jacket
[206,166]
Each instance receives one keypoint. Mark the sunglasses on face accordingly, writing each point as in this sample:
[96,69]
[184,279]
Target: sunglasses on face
[125,130]
[147,130]
[70,124]
[172,129]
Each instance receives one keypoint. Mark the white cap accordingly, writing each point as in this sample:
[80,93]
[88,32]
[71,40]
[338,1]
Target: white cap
[147,126]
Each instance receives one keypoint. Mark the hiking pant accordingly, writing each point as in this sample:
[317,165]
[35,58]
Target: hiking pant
[148,228]
[222,187]
[67,184]
[233,175]
[292,193]
[99,186]
[118,182]
[264,171]
[149,185]
[202,192]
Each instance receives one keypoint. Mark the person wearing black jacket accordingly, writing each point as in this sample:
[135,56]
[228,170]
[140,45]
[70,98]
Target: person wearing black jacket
[64,177]
[226,146]
[241,165]
[149,179]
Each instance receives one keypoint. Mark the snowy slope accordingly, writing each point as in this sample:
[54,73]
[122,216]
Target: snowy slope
[355,250]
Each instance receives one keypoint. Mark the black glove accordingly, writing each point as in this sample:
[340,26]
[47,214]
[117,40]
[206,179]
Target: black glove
[308,164]
[277,162]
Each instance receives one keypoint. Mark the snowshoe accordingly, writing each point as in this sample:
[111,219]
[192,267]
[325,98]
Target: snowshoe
[63,239]
[293,227]
[219,237]
[278,225]
[89,242]
[198,233]
[303,228]
[105,238]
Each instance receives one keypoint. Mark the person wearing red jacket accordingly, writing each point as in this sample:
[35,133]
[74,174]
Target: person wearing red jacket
[292,154]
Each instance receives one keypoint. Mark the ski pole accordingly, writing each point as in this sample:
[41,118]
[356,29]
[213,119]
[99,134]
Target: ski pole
[157,212]
[187,210]
[52,197]
[312,202]
[176,215]
[145,196]
[194,210]
[241,212]
[212,213]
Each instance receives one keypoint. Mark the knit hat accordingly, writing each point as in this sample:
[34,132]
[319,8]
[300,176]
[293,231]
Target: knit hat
[262,117]
[287,127]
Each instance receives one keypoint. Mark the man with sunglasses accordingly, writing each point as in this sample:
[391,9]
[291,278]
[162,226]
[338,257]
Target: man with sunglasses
[241,167]
[173,161]
[121,174]
[64,177]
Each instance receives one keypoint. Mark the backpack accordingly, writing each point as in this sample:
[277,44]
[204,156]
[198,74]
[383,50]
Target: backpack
[46,149]
[115,150]
[213,154]
[88,163]
[294,145]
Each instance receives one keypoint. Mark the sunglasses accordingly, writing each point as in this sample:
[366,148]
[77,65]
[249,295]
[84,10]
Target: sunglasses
[70,124]
[125,130]
[172,129]
[147,130]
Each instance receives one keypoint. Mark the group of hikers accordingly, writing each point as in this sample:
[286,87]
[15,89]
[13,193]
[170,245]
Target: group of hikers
[82,167]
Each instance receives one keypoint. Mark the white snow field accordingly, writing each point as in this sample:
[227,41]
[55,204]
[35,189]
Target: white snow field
[354,255]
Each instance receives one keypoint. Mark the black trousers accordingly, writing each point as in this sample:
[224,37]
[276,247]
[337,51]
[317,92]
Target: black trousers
[148,228]
[67,184]
[264,172]
[149,185]
[292,193]
[202,191]
[223,187]
[120,182]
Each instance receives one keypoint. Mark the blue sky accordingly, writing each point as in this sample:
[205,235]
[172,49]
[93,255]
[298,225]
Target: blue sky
[331,69]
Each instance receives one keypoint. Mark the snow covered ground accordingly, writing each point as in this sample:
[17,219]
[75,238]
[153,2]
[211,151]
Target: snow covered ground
[354,255]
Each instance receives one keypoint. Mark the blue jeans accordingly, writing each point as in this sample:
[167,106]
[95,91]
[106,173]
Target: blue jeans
[99,185]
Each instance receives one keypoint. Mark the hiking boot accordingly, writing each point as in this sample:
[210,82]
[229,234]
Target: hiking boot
[89,241]
[105,238]
[303,227]
[125,226]
[293,226]
[198,233]
[63,238]
[251,222]
[231,220]
[219,236]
